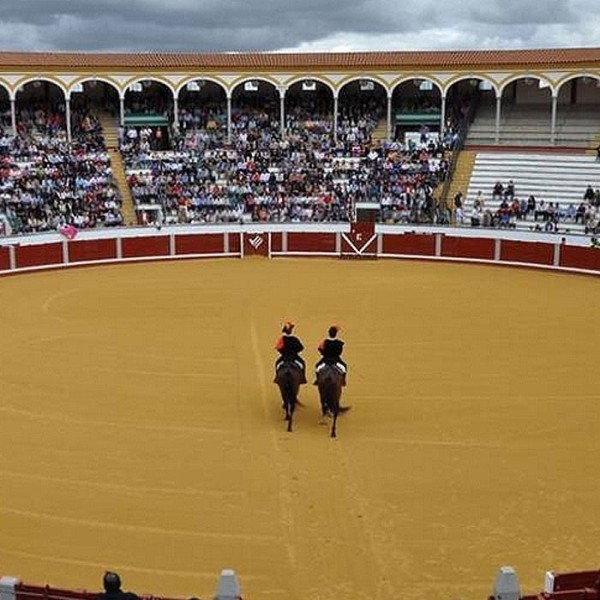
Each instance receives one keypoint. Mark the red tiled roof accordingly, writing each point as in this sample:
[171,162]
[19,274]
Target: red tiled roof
[273,60]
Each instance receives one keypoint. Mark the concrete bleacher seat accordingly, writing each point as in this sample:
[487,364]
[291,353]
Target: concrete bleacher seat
[530,125]
[554,178]
[549,177]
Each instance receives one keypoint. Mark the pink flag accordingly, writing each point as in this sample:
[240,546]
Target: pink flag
[69,231]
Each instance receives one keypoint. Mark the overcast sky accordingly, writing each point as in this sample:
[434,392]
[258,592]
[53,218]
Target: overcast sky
[296,25]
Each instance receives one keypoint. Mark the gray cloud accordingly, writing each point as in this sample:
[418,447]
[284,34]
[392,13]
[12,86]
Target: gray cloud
[268,25]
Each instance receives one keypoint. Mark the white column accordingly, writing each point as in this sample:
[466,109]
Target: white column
[498,114]
[335,116]
[389,117]
[556,257]
[553,122]
[229,117]
[68,118]
[282,111]
[122,111]
[7,587]
[228,587]
[443,117]
[13,115]
[12,257]
[175,114]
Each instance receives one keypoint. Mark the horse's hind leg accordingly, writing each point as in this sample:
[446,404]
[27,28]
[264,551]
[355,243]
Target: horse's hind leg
[333,425]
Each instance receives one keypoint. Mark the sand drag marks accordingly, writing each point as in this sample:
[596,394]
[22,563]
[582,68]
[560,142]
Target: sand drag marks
[323,512]
[162,421]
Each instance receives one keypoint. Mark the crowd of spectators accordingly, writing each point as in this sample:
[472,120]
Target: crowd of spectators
[203,172]
[506,210]
[310,173]
[47,183]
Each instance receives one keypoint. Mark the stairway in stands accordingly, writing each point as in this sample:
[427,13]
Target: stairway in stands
[380,132]
[462,174]
[110,130]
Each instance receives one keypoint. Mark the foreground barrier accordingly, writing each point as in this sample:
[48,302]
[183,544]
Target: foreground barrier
[361,240]
[228,588]
[581,585]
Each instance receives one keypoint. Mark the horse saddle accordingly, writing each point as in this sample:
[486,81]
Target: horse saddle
[339,366]
[296,364]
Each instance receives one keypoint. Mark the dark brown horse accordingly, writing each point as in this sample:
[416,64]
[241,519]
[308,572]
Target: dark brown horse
[330,380]
[288,379]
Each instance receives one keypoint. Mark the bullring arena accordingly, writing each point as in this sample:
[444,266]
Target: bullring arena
[141,430]
[142,433]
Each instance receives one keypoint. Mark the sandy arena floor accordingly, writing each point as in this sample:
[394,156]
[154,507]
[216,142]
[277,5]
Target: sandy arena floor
[140,430]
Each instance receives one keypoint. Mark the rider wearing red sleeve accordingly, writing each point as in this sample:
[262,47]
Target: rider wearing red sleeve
[331,349]
[289,348]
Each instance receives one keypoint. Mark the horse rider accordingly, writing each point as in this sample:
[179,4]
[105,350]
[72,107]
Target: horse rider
[289,348]
[331,349]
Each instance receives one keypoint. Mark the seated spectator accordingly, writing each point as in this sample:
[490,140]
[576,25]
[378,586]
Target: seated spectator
[509,192]
[541,211]
[530,205]
[479,200]
[476,216]
[589,194]
[497,191]
[112,589]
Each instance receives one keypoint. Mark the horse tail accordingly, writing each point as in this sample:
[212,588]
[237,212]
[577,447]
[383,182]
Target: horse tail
[288,388]
[328,391]
[330,399]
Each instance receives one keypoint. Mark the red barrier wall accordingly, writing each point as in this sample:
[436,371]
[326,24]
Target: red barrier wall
[37,592]
[457,247]
[576,580]
[34,256]
[311,242]
[210,243]
[527,252]
[276,242]
[85,250]
[581,258]
[145,246]
[234,243]
[24,591]
[409,243]
[4,258]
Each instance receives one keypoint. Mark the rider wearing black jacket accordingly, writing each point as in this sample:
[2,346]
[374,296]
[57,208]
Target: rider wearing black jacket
[331,349]
[289,348]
